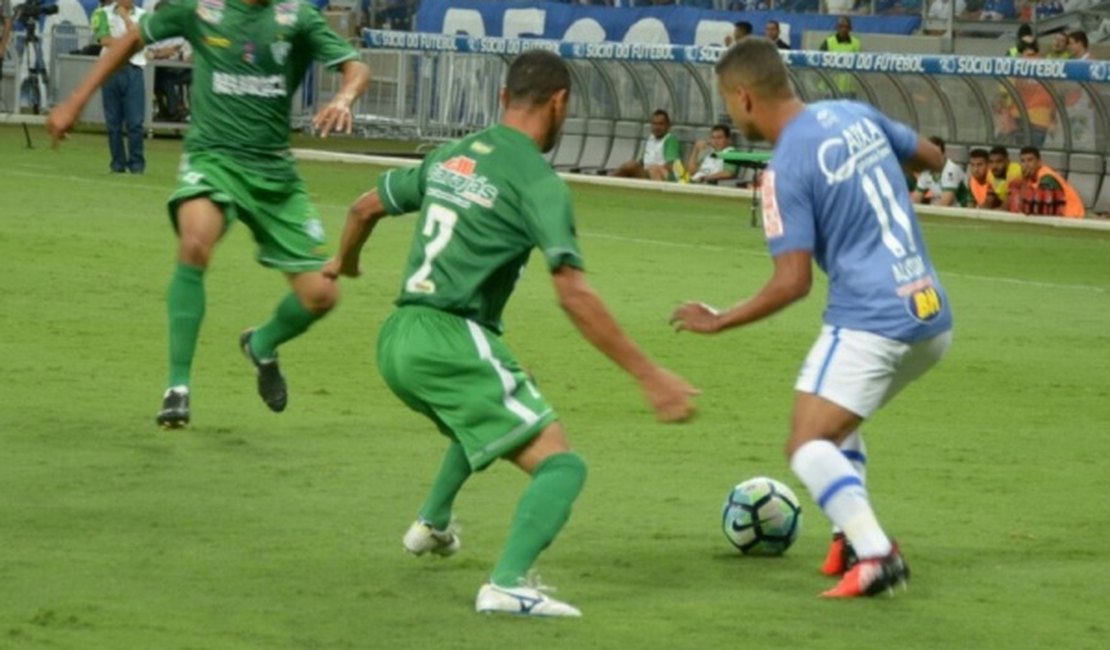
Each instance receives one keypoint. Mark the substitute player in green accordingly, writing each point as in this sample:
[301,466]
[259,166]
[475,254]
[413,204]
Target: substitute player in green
[250,56]
[485,202]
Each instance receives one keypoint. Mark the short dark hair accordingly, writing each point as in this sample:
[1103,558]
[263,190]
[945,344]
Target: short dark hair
[665,114]
[743,26]
[999,150]
[535,76]
[722,127]
[846,19]
[938,141]
[1031,150]
[773,22]
[756,63]
[1079,36]
[979,153]
[1025,30]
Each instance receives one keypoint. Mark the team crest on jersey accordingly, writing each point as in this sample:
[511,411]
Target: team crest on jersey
[280,51]
[286,14]
[248,53]
[772,220]
[481,148]
[211,11]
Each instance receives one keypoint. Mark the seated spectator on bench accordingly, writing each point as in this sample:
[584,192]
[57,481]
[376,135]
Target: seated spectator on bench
[1002,173]
[978,180]
[704,157]
[1042,190]
[947,188]
[659,154]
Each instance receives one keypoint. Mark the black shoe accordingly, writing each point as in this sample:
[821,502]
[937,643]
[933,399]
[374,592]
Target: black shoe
[175,409]
[271,385]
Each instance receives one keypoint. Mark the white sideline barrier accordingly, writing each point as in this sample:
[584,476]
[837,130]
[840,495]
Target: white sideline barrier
[710,190]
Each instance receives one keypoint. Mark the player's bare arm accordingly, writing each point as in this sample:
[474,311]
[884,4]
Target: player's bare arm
[63,116]
[336,116]
[362,216]
[790,282]
[668,394]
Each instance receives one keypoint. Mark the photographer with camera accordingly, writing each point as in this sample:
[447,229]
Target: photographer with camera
[124,93]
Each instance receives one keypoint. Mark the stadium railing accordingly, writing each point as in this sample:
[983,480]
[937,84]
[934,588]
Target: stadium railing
[432,87]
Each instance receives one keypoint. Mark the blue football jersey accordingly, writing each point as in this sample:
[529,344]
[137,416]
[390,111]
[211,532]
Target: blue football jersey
[835,187]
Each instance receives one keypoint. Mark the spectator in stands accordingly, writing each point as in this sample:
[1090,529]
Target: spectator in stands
[1040,108]
[1025,37]
[6,26]
[1078,45]
[660,153]
[1000,10]
[1002,173]
[705,157]
[1048,8]
[940,9]
[1059,47]
[843,41]
[740,29]
[1042,190]
[979,181]
[949,188]
[773,31]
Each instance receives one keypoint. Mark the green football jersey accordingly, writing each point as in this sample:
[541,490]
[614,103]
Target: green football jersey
[248,61]
[485,202]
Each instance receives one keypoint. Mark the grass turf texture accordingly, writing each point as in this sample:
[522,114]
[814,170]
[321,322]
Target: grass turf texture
[256,530]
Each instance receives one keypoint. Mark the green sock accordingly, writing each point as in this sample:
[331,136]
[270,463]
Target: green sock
[185,305]
[289,321]
[452,474]
[543,510]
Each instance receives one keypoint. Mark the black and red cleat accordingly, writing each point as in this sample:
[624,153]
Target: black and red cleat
[840,558]
[872,576]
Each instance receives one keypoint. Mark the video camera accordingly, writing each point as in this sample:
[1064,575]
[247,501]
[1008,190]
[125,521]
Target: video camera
[29,12]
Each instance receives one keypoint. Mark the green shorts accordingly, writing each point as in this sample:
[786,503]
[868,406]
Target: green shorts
[270,198]
[464,378]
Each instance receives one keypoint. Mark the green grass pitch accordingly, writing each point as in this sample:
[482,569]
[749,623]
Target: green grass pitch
[252,530]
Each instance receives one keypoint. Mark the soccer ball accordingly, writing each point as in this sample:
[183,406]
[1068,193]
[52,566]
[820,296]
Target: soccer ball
[762,517]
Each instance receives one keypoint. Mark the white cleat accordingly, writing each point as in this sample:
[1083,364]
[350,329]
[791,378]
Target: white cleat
[522,601]
[421,538]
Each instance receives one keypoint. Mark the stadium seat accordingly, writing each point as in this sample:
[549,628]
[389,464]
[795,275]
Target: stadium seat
[957,153]
[1102,205]
[1085,175]
[570,145]
[627,137]
[1057,160]
[599,138]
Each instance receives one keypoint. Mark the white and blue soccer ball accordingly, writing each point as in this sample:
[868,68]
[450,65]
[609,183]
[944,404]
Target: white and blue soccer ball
[762,516]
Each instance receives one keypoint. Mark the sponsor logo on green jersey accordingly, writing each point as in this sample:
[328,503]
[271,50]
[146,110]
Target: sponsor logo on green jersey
[224,83]
[458,175]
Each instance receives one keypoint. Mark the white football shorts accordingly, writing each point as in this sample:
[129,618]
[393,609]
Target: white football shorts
[862,371]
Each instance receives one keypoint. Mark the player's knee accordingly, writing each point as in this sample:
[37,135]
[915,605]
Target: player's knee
[321,298]
[194,250]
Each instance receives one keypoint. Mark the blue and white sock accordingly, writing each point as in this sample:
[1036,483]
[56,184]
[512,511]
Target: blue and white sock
[838,489]
[855,451]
